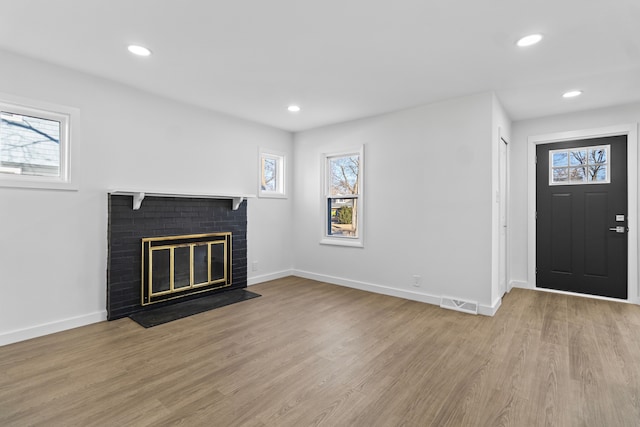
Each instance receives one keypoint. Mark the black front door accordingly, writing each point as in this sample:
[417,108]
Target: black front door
[581,211]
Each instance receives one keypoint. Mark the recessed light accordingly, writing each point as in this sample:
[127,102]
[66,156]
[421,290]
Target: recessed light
[529,40]
[572,94]
[293,108]
[139,50]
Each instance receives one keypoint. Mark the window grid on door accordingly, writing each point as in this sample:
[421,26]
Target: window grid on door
[579,166]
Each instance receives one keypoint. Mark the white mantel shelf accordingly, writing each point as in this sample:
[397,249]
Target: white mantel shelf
[138,196]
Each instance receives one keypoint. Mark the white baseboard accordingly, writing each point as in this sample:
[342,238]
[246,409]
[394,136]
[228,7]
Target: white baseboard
[385,290]
[491,311]
[52,327]
[521,285]
[267,277]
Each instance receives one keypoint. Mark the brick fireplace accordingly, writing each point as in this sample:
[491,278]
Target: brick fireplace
[133,221]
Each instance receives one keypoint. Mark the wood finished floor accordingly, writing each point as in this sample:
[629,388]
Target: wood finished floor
[309,353]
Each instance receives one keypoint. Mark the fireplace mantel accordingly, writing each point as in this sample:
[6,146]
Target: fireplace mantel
[138,196]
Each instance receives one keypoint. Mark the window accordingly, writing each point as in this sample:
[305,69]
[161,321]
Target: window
[575,166]
[343,198]
[271,174]
[35,144]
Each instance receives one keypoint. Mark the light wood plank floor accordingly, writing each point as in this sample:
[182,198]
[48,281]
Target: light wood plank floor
[309,353]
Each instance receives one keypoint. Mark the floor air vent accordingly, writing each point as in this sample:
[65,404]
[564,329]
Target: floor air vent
[470,307]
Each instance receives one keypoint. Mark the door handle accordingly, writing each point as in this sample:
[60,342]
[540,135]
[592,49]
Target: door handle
[618,229]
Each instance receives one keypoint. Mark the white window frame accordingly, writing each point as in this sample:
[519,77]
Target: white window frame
[69,123]
[607,179]
[281,164]
[326,238]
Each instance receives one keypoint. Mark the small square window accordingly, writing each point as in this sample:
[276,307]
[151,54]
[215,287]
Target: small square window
[577,175]
[577,158]
[598,156]
[30,145]
[272,174]
[560,175]
[559,159]
[35,144]
[598,173]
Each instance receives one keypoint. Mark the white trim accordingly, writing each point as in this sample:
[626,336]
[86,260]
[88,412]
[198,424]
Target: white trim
[52,327]
[490,310]
[607,163]
[138,196]
[504,199]
[342,241]
[631,130]
[393,292]
[281,159]
[326,239]
[520,285]
[268,277]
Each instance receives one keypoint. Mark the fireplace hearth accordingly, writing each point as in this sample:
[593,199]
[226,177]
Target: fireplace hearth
[173,249]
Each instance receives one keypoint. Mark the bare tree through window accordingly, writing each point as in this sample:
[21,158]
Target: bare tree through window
[272,174]
[29,145]
[344,184]
[580,165]
[269,174]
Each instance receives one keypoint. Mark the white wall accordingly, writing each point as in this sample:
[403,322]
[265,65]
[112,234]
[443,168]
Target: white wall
[53,244]
[521,130]
[428,202]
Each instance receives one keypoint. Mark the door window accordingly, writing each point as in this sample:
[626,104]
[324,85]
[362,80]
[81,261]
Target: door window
[582,165]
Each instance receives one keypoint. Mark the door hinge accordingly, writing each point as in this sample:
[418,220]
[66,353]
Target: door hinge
[536,159]
[536,215]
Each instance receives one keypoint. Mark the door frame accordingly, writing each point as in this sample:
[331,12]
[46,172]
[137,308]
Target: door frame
[503,204]
[631,131]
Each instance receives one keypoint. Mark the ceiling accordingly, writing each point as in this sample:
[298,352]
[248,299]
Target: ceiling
[341,59]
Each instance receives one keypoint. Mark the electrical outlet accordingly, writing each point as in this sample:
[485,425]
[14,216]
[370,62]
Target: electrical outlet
[417,280]
[254,266]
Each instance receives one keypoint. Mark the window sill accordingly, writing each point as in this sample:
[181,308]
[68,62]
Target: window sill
[38,184]
[265,195]
[342,242]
